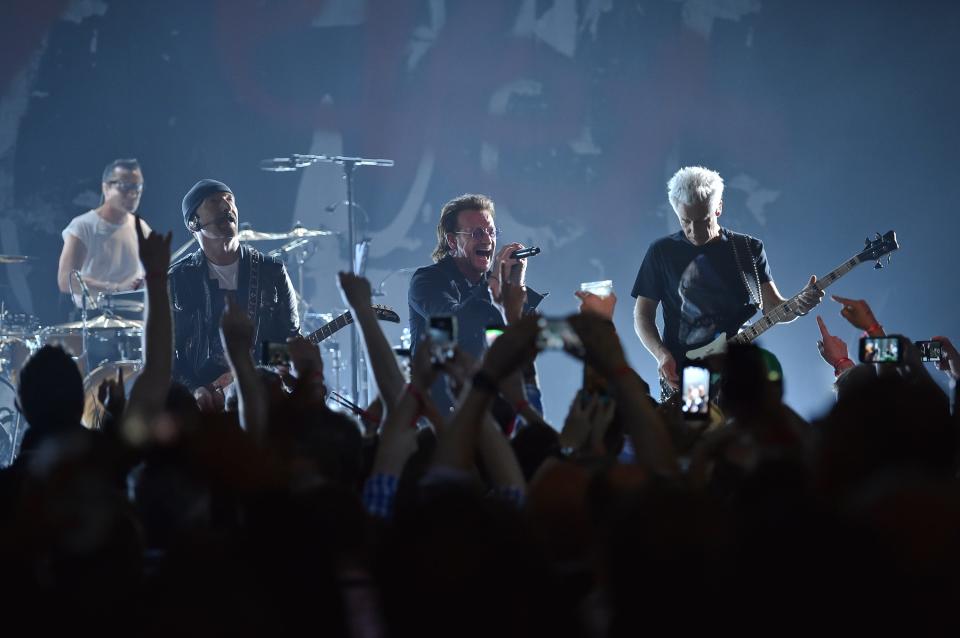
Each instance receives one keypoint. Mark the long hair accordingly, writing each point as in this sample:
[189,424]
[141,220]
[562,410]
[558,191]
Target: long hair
[448,218]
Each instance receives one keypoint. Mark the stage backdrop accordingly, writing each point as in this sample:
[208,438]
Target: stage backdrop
[830,121]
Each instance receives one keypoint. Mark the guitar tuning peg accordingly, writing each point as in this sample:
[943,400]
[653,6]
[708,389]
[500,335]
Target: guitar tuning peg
[878,265]
[866,242]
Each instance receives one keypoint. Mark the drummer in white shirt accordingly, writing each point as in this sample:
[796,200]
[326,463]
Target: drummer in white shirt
[102,243]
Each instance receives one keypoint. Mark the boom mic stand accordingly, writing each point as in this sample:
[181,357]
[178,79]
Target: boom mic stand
[349,164]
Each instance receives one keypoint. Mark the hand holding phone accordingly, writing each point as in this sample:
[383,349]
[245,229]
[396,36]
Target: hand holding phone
[930,350]
[274,354]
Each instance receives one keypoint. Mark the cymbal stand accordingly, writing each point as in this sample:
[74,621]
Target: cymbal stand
[349,164]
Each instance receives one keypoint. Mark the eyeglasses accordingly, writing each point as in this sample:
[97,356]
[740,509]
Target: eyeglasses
[479,234]
[127,187]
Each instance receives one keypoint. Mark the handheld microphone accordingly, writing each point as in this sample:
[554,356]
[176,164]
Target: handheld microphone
[523,253]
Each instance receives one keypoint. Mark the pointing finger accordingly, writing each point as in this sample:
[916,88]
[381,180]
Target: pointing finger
[823,327]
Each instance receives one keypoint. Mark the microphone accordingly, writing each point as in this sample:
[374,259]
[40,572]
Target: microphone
[83,287]
[523,253]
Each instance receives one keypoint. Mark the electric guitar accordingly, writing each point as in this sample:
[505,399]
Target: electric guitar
[324,332]
[383,313]
[874,250]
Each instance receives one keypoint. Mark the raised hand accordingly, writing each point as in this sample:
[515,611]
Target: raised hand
[515,347]
[602,347]
[154,249]
[857,312]
[602,306]
[354,289]
[112,395]
[236,329]
[832,349]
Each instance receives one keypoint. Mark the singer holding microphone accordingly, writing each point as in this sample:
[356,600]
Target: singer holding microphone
[200,283]
[464,282]
[100,246]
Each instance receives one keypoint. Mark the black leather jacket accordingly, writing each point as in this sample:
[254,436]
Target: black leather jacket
[197,304]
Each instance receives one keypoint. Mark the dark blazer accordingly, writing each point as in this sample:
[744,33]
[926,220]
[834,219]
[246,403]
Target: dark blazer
[198,356]
[441,289]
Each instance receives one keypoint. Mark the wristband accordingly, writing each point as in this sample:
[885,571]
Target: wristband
[521,405]
[875,327]
[484,382]
[622,371]
[836,367]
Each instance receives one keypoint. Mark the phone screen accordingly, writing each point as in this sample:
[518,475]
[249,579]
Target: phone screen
[695,392]
[274,353]
[556,334]
[930,350]
[491,333]
[880,350]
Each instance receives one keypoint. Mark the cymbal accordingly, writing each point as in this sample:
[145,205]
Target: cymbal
[248,234]
[103,321]
[13,259]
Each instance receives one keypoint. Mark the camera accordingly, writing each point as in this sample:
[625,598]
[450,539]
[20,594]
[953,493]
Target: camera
[695,392]
[491,333]
[881,349]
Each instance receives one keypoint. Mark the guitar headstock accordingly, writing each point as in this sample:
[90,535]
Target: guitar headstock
[875,249]
[386,313]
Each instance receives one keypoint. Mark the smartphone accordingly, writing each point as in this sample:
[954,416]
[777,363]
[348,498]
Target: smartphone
[491,333]
[442,330]
[881,349]
[274,353]
[556,334]
[695,392]
[929,350]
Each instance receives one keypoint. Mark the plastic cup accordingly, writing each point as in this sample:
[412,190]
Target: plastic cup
[598,288]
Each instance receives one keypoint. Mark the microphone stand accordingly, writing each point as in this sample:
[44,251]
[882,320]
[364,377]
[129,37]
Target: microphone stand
[349,164]
[84,331]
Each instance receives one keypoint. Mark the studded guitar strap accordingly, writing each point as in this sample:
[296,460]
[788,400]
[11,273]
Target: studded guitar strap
[752,285]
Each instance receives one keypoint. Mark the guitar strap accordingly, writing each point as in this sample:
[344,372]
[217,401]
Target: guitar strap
[253,292]
[751,284]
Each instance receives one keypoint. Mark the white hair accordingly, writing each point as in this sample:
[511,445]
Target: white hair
[695,185]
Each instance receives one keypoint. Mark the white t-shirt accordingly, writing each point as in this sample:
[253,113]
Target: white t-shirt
[225,276]
[112,254]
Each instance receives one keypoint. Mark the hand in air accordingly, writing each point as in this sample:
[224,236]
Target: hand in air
[112,395]
[601,346]
[810,297]
[596,304]
[236,329]
[354,289]
[832,349]
[856,311]
[154,249]
[515,347]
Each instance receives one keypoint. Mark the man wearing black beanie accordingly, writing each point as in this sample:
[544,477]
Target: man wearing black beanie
[200,282]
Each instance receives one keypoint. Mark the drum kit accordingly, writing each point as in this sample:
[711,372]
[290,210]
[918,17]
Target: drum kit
[109,337]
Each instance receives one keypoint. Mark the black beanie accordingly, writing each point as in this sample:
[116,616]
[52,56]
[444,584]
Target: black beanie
[200,191]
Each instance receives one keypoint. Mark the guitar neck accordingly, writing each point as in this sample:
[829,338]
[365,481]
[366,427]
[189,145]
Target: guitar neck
[325,331]
[788,308]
